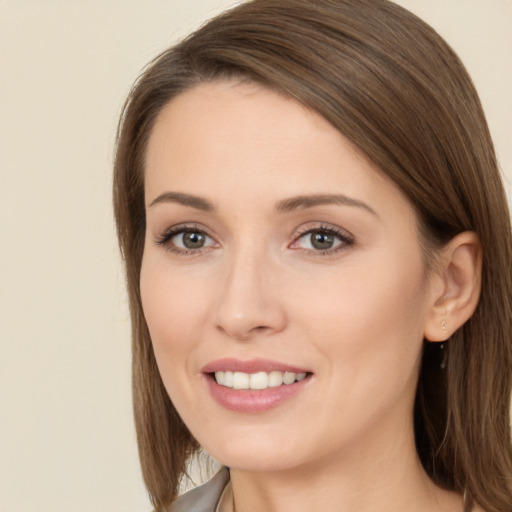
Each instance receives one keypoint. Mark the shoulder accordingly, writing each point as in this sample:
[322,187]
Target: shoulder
[203,498]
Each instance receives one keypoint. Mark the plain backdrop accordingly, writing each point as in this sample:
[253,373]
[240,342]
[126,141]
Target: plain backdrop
[67,441]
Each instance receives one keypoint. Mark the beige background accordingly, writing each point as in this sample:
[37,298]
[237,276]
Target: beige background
[66,435]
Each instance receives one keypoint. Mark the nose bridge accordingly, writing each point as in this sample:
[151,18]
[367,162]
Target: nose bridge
[248,302]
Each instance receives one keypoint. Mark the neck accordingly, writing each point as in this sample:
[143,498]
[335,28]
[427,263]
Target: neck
[373,475]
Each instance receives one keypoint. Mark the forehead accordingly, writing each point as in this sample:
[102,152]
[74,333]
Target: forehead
[231,140]
[222,113]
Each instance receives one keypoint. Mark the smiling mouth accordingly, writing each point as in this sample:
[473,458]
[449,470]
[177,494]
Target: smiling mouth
[258,380]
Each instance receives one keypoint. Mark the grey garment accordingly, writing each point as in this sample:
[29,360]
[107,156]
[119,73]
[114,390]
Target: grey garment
[204,498]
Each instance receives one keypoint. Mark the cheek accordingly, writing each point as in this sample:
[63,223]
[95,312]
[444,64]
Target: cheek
[369,325]
[175,310]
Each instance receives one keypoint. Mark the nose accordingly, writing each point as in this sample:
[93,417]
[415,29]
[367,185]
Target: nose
[250,303]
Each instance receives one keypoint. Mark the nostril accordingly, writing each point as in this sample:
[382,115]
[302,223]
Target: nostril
[243,317]
[242,331]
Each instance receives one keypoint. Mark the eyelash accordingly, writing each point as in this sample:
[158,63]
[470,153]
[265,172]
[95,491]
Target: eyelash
[166,238]
[346,240]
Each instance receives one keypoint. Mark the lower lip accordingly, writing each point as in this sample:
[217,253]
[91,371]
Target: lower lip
[252,400]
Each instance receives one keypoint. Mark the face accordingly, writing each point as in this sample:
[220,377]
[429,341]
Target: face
[282,282]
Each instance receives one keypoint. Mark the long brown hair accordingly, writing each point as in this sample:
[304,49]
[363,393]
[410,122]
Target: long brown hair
[391,85]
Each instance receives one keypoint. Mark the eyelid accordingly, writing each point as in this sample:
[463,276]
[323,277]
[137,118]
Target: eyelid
[165,238]
[345,237]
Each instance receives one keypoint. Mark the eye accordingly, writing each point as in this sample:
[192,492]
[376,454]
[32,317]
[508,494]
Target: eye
[185,240]
[323,240]
[190,240]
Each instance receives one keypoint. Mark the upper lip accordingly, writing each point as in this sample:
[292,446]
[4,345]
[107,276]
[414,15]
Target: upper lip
[250,366]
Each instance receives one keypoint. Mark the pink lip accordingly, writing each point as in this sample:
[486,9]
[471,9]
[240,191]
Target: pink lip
[251,400]
[251,366]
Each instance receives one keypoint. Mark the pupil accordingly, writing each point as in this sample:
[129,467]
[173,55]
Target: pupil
[322,241]
[193,240]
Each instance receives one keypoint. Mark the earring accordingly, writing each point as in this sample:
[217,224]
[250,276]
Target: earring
[444,326]
[444,357]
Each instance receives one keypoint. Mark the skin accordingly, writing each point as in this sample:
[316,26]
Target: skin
[355,316]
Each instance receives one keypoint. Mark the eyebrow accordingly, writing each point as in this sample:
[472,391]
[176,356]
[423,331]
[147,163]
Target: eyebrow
[309,201]
[284,206]
[184,199]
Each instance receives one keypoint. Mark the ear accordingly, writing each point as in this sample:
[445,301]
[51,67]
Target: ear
[455,287]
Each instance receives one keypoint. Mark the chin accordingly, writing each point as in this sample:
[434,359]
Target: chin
[256,463]
[255,454]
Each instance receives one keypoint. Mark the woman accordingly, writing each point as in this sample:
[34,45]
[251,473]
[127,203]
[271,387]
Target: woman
[318,252]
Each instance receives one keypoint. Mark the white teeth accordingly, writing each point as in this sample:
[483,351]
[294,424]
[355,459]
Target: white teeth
[275,379]
[228,379]
[240,380]
[259,380]
[289,377]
